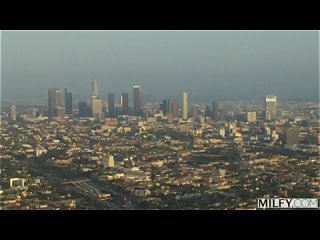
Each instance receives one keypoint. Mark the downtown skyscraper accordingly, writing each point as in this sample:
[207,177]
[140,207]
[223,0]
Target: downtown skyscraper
[215,111]
[125,103]
[55,103]
[68,101]
[84,109]
[270,107]
[96,103]
[165,106]
[185,106]
[137,100]
[175,109]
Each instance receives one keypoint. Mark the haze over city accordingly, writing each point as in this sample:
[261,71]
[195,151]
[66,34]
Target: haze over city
[155,120]
[224,65]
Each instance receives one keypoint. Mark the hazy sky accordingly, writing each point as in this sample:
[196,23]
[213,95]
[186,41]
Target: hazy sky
[208,64]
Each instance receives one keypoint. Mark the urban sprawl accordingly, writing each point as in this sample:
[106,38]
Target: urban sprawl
[117,155]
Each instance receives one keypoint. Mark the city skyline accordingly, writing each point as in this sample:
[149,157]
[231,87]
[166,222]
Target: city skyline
[59,104]
[179,120]
[100,109]
[182,159]
[207,64]
[123,97]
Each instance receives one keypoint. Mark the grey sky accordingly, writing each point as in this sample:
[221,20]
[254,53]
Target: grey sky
[208,64]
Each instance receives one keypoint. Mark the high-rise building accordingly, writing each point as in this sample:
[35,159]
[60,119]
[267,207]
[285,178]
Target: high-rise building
[166,107]
[195,112]
[292,136]
[208,112]
[174,109]
[137,100]
[215,111]
[163,107]
[251,116]
[96,103]
[120,101]
[185,106]
[270,107]
[68,101]
[96,108]
[111,108]
[55,106]
[95,90]
[125,103]
[84,109]
[13,113]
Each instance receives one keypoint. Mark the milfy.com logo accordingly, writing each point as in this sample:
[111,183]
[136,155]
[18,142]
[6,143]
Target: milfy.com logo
[287,203]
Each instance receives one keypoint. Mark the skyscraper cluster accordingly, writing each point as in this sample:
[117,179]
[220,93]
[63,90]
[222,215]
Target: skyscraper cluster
[57,107]
[169,108]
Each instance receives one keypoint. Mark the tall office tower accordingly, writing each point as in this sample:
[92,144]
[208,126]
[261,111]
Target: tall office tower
[174,109]
[185,106]
[195,112]
[270,107]
[251,116]
[125,103]
[111,109]
[68,101]
[215,112]
[95,90]
[163,107]
[168,106]
[13,113]
[84,109]
[55,105]
[292,136]
[97,108]
[96,103]
[208,112]
[137,100]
